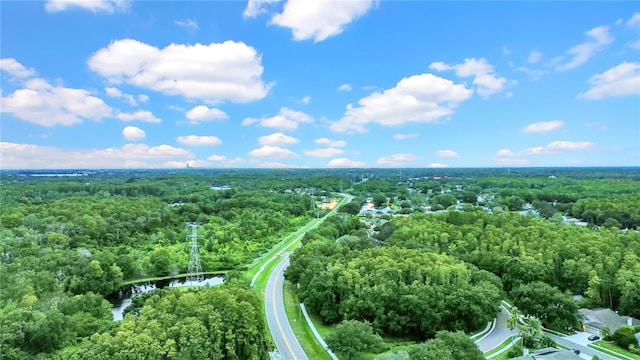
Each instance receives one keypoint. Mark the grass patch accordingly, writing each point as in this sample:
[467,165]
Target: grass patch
[507,344]
[612,349]
[311,346]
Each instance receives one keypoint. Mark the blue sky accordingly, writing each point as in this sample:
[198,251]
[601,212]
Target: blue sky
[311,83]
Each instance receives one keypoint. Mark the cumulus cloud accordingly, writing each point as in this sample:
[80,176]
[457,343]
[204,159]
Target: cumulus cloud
[543,126]
[420,98]
[106,6]
[344,87]
[44,104]
[319,19]
[346,163]
[321,153]
[447,154]
[621,80]
[330,143]
[277,139]
[553,148]
[228,71]
[29,156]
[195,140]
[534,57]
[581,53]
[116,93]
[227,162]
[396,160]
[437,166]
[141,115]
[143,98]
[257,7]
[286,119]
[272,152]
[405,136]
[188,24]
[275,165]
[634,20]
[133,133]
[15,69]
[485,78]
[202,113]
[305,100]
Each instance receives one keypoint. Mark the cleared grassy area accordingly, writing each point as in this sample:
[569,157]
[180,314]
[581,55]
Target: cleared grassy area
[613,349]
[311,346]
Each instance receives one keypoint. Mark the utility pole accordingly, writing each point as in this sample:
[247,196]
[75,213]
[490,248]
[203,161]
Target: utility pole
[194,272]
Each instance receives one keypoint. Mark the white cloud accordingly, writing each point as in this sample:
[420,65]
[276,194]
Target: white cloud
[534,74]
[634,20]
[305,100]
[447,154]
[543,126]
[534,57]
[330,143]
[141,115]
[133,133]
[319,19]
[256,7]
[107,6]
[228,71]
[346,163]
[116,93]
[581,53]
[275,165]
[553,148]
[226,162]
[420,98]
[195,140]
[186,164]
[44,104]
[327,152]
[143,98]
[188,24]
[277,139]
[405,136]
[203,113]
[15,69]
[286,119]
[29,156]
[345,87]
[437,166]
[485,79]
[396,160]
[273,152]
[621,80]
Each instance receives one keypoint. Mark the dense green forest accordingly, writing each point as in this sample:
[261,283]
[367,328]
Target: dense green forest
[66,242]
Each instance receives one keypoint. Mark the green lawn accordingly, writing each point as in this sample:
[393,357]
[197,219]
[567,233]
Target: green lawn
[613,349]
[311,346]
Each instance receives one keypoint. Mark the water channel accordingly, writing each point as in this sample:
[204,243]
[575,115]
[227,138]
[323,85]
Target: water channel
[121,299]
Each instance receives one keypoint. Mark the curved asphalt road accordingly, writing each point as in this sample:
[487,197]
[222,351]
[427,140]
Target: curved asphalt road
[499,334]
[279,326]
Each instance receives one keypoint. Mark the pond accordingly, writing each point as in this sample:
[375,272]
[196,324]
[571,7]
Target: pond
[121,299]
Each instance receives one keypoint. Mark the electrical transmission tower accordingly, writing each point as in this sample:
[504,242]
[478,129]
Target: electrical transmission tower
[194,272]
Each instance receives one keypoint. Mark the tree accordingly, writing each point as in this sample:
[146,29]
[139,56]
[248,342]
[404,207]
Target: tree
[379,200]
[353,337]
[447,346]
[553,307]
[624,337]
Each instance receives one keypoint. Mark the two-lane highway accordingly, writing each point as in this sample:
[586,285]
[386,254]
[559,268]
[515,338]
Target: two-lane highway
[281,331]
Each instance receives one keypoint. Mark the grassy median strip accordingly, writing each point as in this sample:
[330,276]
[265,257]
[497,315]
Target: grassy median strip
[507,344]
[311,346]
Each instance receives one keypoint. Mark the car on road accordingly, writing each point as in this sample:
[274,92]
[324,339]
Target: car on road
[593,337]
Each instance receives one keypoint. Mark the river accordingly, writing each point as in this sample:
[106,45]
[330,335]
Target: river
[123,298]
